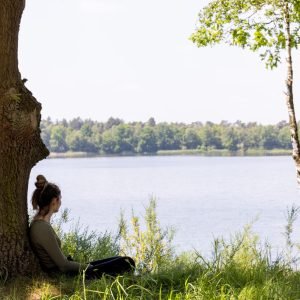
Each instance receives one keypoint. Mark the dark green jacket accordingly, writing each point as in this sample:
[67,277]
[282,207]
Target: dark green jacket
[46,245]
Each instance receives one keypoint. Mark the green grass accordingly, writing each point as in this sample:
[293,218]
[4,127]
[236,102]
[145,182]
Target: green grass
[225,152]
[183,280]
[239,268]
[71,154]
[208,152]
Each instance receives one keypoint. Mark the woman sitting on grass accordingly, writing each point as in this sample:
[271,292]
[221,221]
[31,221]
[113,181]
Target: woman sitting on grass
[47,200]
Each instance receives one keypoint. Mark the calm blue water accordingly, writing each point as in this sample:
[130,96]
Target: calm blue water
[201,197]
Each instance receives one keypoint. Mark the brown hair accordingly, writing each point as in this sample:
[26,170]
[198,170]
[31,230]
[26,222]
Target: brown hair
[43,194]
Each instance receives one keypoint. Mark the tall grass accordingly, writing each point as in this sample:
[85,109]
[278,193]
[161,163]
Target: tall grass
[152,247]
[83,244]
[239,268]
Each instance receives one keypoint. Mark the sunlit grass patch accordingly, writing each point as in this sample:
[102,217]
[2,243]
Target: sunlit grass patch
[44,290]
[30,289]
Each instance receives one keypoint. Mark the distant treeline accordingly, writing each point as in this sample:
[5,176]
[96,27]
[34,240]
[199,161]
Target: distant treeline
[117,137]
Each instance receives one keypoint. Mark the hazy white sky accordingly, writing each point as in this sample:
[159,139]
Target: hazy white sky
[132,59]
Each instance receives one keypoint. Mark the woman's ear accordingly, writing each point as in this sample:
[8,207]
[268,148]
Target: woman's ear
[54,201]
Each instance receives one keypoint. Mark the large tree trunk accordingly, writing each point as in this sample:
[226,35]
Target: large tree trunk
[290,96]
[20,146]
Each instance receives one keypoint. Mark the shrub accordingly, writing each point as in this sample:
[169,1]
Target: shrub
[150,248]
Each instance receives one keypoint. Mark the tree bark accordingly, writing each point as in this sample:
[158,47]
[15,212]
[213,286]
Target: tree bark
[290,95]
[20,146]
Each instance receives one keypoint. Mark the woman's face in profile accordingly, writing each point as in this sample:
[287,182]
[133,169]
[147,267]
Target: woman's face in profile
[57,204]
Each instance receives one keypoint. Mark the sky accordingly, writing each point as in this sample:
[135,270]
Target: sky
[132,59]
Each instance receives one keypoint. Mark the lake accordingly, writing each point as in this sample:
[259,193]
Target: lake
[201,197]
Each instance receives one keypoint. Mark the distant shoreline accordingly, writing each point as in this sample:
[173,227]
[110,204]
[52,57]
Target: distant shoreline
[215,152]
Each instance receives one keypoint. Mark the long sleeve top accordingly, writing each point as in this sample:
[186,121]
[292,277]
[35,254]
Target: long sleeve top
[47,247]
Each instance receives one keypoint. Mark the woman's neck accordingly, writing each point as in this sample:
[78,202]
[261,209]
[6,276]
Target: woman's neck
[46,217]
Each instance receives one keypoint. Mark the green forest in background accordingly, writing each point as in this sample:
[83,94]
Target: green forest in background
[117,137]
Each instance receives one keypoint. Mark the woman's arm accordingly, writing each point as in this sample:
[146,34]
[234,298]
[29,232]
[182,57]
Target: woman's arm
[46,238]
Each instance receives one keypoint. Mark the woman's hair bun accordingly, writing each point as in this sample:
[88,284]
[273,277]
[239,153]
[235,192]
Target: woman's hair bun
[40,181]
